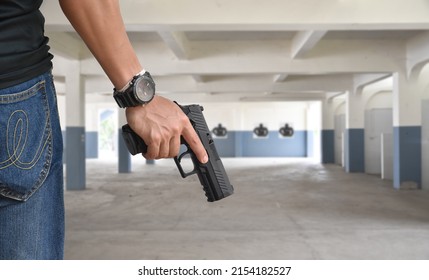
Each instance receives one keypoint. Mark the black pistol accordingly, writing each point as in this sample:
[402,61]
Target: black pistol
[212,175]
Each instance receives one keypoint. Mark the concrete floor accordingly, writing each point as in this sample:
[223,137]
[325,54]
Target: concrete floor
[281,209]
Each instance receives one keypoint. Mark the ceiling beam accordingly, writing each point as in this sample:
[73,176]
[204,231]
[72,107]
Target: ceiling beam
[65,45]
[250,15]
[177,42]
[362,80]
[280,78]
[260,57]
[240,84]
[198,78]
[304,41]
[417,54]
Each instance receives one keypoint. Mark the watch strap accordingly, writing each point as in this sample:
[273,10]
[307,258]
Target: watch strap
[126,98]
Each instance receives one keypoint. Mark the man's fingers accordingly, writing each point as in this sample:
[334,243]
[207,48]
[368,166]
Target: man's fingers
[160,124]
[174,146]
[195,144]
[164,150]
[152,151]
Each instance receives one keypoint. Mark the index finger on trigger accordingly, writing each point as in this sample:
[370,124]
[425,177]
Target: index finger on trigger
[195,144]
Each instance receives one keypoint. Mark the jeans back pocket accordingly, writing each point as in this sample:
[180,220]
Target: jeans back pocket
[25,141]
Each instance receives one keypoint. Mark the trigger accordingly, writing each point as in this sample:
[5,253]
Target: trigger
[179,166]
[183,154]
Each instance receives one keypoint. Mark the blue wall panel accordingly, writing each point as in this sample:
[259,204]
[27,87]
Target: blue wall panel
[238,144]
[244,144]
[64,145]
[407,155]
[328,148]
[91,144]
[124,156]
[274,146]
[226,146]
[75,158]
[354,150]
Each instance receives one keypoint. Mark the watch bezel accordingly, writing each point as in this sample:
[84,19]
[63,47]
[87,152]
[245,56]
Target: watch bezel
[150,83]
[127,97]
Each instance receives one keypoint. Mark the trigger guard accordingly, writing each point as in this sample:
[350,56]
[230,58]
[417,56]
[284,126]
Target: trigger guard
[178,160]
[182,155]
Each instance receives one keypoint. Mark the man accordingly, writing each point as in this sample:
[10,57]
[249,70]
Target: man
[31,183]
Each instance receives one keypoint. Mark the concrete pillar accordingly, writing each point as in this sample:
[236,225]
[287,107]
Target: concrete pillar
[328,132]
[124,156]
[75,128]
[354,153]
[406,131]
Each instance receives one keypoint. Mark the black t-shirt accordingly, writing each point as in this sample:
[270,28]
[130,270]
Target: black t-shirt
[24,53]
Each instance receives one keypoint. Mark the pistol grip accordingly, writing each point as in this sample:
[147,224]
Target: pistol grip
[134,143]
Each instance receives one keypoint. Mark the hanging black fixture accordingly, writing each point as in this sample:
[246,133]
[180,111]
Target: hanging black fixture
[220,131]
[286,130]
[261,131]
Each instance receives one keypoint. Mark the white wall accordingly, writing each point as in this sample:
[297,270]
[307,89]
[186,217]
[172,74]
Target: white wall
[245,116]
[380,100]
[233,115]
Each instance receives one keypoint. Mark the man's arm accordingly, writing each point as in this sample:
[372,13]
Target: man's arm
[161,122]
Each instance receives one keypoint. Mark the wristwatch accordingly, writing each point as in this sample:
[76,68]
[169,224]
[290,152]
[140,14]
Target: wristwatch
[139,91]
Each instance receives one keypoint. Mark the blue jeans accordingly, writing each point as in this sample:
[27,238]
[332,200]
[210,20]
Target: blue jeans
[31,172]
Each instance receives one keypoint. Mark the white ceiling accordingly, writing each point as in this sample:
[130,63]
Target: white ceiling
[214,50]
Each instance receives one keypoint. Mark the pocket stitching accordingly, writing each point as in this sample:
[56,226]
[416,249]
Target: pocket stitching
[15,195]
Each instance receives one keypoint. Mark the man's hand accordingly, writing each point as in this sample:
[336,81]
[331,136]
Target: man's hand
[160,124]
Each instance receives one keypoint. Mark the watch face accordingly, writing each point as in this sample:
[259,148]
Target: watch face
[144,89]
